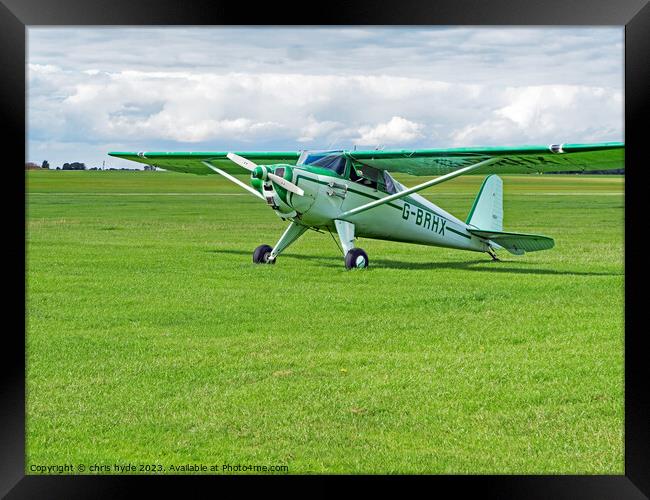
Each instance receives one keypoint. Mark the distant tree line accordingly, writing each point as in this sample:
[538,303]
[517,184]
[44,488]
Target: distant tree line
[66,166]
[616,171]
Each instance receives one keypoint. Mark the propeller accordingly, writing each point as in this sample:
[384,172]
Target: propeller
[262,172]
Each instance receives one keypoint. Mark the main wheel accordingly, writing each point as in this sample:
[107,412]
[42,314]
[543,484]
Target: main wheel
[356,259]
[262,255]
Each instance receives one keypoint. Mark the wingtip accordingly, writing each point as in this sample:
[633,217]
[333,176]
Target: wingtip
[121,154]
[127,155]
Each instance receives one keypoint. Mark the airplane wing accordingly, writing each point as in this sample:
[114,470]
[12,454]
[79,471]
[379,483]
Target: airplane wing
[507,160]
[450,163]
[193,163]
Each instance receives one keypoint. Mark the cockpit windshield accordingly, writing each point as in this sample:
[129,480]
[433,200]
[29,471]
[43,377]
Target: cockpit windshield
[362,174]
[331,160]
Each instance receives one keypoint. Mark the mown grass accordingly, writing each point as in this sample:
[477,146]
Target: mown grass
[152,338]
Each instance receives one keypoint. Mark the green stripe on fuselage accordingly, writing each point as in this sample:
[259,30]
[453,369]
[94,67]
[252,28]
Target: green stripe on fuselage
[459,233]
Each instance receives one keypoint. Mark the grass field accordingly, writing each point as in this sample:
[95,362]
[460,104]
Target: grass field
[153,339]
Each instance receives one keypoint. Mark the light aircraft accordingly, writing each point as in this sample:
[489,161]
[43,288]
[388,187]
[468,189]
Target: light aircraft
[352,193]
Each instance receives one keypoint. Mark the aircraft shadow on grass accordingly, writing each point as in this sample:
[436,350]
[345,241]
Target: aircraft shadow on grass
[466,265]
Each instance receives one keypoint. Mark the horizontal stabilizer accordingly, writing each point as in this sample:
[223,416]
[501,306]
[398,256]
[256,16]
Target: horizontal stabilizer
[516,243]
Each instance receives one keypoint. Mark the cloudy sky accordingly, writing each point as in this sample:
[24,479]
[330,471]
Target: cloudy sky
[94,90]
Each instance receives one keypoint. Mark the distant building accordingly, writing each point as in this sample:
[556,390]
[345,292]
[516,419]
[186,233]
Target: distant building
[31,166]
[74,166]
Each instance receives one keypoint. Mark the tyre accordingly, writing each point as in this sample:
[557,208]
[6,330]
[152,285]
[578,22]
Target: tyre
[356,259]
[262,254]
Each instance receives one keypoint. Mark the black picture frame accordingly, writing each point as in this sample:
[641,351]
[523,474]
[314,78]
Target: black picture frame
[17,15]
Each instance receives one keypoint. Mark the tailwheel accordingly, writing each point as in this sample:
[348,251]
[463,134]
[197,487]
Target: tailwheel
[262,255]
[356,259]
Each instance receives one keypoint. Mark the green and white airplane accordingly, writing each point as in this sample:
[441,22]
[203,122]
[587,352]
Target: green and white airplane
[352,193]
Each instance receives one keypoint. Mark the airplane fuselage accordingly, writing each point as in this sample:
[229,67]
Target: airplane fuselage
[412,219]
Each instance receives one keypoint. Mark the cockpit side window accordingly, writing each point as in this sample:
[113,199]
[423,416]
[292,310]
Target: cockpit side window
[392,186]
[374,178]
[365,175]
[354,176]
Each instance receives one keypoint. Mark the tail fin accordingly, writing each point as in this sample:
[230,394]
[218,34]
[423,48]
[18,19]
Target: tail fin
[487,210]
[486,217]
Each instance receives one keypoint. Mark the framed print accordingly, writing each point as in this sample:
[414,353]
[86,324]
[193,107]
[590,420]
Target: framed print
[261,245]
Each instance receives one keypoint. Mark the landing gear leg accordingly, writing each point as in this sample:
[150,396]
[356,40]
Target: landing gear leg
[355,258]
[264,254]
[493,255]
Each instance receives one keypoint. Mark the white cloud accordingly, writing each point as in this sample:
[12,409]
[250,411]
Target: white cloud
[240,107]
[397,130]
[43,68]
[188,107]
[314,129]
[535,105]
[548,113]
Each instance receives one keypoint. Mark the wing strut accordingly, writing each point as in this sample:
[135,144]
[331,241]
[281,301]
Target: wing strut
[234,179]
[414,189]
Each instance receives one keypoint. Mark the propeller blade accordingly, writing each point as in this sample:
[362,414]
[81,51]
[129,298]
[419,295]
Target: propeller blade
[242,162]
[289,186]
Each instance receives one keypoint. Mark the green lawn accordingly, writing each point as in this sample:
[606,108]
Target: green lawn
[152,338]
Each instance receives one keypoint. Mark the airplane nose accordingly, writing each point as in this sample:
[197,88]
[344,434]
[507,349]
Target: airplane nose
[259,172]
